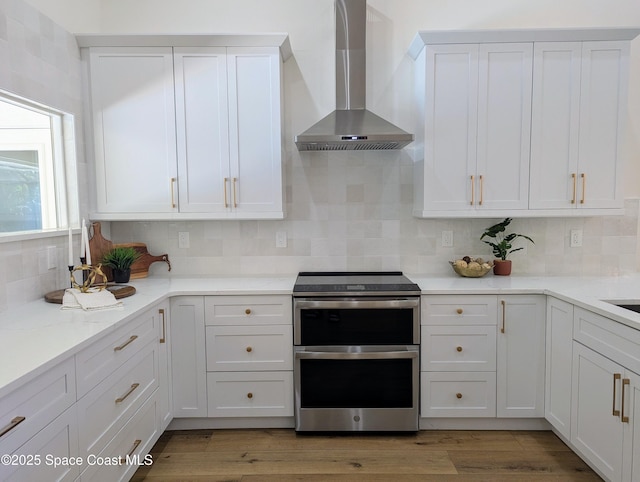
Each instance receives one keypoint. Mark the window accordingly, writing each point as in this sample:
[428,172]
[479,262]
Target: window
[34,168]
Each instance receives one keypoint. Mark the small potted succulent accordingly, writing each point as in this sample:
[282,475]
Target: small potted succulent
[501,245]
[120,259]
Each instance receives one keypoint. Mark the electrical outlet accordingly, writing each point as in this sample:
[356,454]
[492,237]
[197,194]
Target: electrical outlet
[183,239]
[447,239]
[281,239]
[575,238]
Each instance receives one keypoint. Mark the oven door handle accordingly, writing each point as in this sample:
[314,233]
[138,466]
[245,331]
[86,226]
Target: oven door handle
[370,355]
[334,304]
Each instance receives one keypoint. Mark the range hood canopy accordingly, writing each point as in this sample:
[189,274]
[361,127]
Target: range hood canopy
[351,126]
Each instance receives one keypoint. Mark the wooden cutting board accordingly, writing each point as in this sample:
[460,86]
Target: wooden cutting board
[99,246]
[140,268]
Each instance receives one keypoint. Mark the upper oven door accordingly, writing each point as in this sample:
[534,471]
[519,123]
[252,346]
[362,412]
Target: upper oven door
[356,321]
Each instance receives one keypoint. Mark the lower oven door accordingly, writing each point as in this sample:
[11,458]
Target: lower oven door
[363,388]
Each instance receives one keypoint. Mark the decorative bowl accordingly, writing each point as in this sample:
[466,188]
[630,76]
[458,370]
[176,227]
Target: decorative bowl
[471,272]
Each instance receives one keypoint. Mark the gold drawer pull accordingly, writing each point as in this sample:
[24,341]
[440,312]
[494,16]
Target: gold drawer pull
[459,348]
[13,424]
[624,418]
[473,190]
[247,311]
[584,187]
[614,412]
[136,443]
[504,315]
[124,345]
[249,349]
[164,326]
[481,189]
[129,392]
[458,395]
[173,200]
[235,196]
[249,395]
[573,177]
[224,186]
[459,311]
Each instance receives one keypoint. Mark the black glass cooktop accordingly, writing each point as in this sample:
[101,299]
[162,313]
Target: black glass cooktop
[352,282]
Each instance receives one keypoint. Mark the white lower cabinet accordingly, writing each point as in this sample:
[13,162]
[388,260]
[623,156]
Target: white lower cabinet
[188,372]
[249,342]
[482,356]
[521,356]
[605,395]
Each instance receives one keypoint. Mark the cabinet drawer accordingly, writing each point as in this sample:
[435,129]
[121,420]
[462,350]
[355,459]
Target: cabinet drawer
[614,340]
[459,310]
[458,348]
[264,348]
[248,310]
[58,439]
[458,394]
[39,401]
[250,394]
[99,360]
[106,408]
[130,445]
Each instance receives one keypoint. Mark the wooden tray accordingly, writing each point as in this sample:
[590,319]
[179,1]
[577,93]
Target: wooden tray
[119,291]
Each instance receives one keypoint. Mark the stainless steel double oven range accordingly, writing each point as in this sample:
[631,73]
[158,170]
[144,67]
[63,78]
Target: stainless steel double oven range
[356,349]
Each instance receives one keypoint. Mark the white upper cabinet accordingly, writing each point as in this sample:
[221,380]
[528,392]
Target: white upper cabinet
[579,104]
[134,126]
[520,122]
[477,102]
[216,155]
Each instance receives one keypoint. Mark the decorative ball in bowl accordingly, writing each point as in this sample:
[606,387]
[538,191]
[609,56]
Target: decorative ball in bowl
[471,267]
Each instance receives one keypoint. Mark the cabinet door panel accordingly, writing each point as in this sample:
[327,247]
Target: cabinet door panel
[521,356]
[134,126]
[255,129]
[202,128]
[504,120]
[450,125]
[555,124]
[602,113]
[595,431]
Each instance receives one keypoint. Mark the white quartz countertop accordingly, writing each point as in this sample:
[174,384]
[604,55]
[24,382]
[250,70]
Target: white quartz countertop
[40,334]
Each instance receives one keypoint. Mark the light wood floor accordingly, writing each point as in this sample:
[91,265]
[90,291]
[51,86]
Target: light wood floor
[282,455]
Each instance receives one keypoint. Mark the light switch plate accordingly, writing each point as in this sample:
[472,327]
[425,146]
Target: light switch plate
[281,239]
[447,239]
[183,240]
[575,238]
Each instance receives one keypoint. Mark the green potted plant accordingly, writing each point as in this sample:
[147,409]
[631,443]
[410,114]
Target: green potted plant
[501,245]
[120,259]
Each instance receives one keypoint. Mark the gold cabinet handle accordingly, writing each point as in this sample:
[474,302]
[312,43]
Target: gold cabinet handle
[248,311]
[575,181]
[459,311]
[173,199]
[136,443]
[584,187]
[224,186]
[504,315]
[249,349]
[473,189]
[459,349]
[458,395]
[249,395]
[235,197]
[124,345]
[164,326]
[15,421]
[481,189]
[614,412]
[129,392]
[624,418]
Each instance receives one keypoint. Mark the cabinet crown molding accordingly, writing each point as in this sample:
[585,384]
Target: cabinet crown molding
[280,40]
[426,37]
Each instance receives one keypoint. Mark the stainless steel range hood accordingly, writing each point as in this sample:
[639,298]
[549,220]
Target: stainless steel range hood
[351,126]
